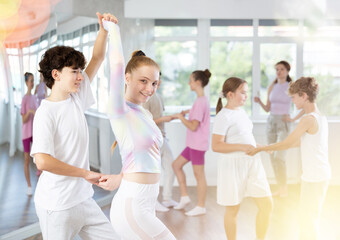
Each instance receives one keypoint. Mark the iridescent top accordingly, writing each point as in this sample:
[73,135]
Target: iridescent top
[139,139]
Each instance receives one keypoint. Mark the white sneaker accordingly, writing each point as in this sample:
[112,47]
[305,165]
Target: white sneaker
[169,203]
[182,203]
[196,211]
[29,191]
[160,208]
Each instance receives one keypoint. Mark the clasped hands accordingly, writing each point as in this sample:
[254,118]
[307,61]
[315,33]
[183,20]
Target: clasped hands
[251,150]
[105,181]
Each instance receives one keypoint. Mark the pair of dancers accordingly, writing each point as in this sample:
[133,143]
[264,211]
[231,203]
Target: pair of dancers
[59,140]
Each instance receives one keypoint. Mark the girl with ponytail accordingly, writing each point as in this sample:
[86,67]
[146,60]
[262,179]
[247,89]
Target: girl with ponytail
[29,105]
[139,139]
[238,175]
[197,143]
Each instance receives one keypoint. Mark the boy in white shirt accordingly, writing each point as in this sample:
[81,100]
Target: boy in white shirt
[63,197]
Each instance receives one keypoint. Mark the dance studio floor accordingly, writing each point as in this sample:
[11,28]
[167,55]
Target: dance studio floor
[17,210]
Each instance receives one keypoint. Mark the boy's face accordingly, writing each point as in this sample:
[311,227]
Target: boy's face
[299,100]
[70,79]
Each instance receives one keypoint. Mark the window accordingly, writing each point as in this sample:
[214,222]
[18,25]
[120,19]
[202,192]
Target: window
[175,28]
[282,28]
[177,60]
[176,53]
[321,61]
[231,28]
[230,59]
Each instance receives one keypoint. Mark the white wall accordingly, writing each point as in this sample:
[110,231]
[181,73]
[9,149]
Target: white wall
[136,34]
[232,9]
[4,121]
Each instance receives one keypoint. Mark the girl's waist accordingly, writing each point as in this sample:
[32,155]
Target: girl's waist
[142,177]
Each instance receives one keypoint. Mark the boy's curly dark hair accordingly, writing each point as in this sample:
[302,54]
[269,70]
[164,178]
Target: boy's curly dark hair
[57,58]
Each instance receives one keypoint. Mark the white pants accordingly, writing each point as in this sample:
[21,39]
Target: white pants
[168,172]
[133,214]
[85,219]
[312,197]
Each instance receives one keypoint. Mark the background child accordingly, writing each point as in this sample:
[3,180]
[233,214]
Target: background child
[63,198]
[29,105]
[197,143]
[311,135]
[155,105]
[238,175]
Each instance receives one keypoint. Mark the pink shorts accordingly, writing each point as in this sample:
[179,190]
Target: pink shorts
[195,156]
[27,144]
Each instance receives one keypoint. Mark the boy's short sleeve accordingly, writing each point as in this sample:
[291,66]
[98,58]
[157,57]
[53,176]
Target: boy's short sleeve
[43,133]
[85,93]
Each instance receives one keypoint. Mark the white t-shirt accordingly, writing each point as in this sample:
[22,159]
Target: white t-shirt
[60,130]
[235,125]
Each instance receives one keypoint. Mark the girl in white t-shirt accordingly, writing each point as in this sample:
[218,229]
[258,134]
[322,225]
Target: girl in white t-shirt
[238,175]
[311,135]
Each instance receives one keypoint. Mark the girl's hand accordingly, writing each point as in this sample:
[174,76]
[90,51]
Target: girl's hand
[257,99]
[107,17]
[287,118]
[168,118]
[178,115]
[31,111]
[110,182]
[253,151]
[248,147]
[185,112]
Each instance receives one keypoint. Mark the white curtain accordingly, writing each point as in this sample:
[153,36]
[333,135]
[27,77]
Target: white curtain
[8,111]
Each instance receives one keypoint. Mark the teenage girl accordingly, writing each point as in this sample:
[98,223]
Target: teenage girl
[133,207]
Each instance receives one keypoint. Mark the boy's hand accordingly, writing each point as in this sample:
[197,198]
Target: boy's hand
[253,151]
[287,118]
[107,17]
[248,147]
[92,177]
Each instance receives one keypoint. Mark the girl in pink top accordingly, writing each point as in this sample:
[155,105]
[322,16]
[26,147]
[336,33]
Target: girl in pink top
[29,105]
[197,143]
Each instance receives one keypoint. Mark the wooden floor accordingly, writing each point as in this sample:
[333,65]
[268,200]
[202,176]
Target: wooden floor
[17,210]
